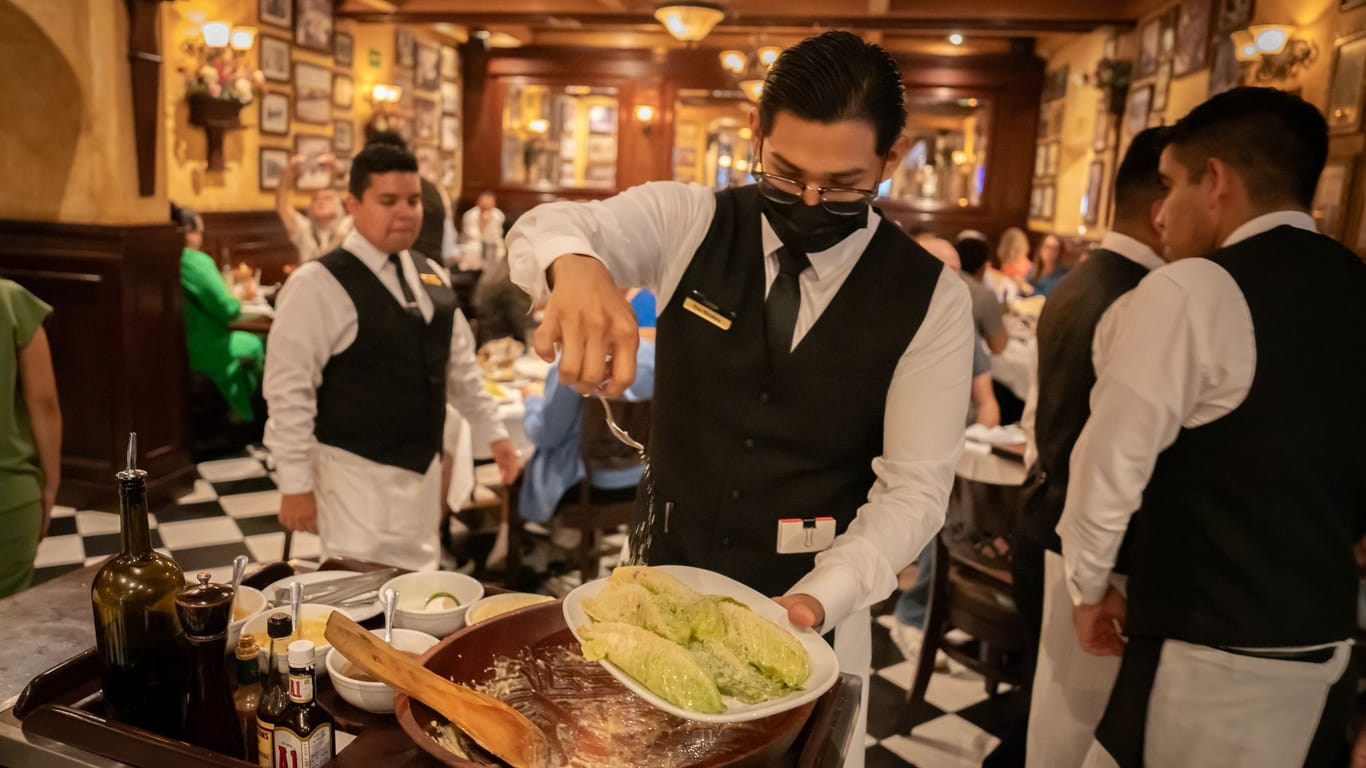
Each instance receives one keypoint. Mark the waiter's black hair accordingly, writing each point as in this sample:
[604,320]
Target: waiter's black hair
[973,252]
[1276,140]
[832,77]
[392,138]
[1137,182]
[378,158]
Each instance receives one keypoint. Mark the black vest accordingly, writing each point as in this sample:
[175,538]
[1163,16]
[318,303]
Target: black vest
[736,446]
[1066,376]
[433,222]
[1246,530]
[384,397]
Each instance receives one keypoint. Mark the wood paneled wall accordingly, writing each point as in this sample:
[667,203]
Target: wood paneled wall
[118,348]
[1011,82]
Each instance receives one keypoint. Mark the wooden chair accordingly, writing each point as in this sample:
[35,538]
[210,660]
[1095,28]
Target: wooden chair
[970,597]
[590,514]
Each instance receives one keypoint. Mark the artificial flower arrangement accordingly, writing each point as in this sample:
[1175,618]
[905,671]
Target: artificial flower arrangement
[223,77]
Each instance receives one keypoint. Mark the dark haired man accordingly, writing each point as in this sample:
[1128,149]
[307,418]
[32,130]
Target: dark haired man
[1223,443]
[366,348]
[813,362]
[1075,330]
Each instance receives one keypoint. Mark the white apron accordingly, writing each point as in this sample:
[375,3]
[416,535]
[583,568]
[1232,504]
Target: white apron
[1071,687]
[377,512]
[854,650]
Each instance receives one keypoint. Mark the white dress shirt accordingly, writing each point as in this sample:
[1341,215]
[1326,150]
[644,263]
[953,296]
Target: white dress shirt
[315,320]
[1183,354]
[1134,251]
[647,237]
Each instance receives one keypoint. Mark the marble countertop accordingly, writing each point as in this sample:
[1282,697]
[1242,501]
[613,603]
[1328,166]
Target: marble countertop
[43,626]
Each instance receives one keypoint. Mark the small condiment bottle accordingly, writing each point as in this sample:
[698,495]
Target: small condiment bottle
[248,694]
[210,717]
[275,692]
[304,734]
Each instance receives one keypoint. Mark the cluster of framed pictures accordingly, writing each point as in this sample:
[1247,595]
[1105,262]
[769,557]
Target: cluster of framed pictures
[429,81]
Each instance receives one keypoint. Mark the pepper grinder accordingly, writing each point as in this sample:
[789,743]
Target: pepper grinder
[205,611]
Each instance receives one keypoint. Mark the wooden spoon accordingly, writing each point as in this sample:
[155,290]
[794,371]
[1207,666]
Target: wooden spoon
[493,725]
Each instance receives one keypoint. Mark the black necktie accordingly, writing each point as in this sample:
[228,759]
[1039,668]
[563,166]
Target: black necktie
[409,300]
[784,297]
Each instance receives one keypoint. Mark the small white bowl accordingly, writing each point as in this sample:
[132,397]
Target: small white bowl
[248,602]
[415,588]
[497,605]
[372,696]
[308,612]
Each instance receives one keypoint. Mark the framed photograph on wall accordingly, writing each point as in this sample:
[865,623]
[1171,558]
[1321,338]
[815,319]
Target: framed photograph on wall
[428,76]
[273,162]
[1051,159]
[1166,37]
[1046,202]
[602,118]
[1225,72]
[343,91]
[1136,109]
[450,63]
[1330,197]
[1095,190]
[450,172]
[277,12]
[1035,203]
[450,97]
[313,28]
[343,136]
[428,121]
[405,48]
[1192,36]
[343,171]
[1162,86]
[1234,14]
[316,171]
[1345,91]
[275,114]
[1100,132]
[428,163]
[274,58]
[1040,160]
[312,93]
[344,49]
[450,133]
[1149,41]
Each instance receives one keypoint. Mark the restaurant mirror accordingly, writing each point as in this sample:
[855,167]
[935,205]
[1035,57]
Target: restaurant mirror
[945,166]
[712,138]
[560,137]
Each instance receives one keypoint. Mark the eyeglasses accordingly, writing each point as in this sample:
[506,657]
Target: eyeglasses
[845,201]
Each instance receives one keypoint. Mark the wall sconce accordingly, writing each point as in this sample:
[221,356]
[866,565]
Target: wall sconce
[538,125]
[216,34]
[645,115]
[242,38]
[1276,54]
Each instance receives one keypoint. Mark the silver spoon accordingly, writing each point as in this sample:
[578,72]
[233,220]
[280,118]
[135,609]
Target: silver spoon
[296,599]
[390,600]
[239,566]
[616,430]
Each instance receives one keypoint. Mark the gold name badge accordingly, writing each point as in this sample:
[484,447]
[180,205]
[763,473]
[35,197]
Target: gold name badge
[707,313]
[429,279]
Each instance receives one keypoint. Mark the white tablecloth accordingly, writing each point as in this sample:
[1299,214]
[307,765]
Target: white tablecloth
[980,464]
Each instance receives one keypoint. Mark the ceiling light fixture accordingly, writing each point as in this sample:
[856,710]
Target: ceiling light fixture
[689,22]
[956,39]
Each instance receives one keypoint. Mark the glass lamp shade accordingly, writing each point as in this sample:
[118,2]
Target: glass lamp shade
[689,22]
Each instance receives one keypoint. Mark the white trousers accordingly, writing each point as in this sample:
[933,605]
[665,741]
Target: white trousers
[1071,687]
[1214,709]
[854,650]
[377,512]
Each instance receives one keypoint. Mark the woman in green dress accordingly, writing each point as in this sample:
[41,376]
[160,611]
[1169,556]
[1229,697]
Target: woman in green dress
[233,360]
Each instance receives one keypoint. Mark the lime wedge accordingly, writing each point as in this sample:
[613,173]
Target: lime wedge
[453,598]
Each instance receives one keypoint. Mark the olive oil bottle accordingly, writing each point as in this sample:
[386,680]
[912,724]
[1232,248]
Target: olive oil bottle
[138,636]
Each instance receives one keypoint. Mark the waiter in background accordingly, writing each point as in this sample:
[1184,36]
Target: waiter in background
[1224,438]
[812,363]
[366,348]
[1075,331]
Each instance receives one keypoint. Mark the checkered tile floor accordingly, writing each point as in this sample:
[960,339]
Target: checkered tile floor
[232,511]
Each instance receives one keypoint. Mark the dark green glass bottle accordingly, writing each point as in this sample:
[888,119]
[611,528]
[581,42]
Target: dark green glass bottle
[137,634]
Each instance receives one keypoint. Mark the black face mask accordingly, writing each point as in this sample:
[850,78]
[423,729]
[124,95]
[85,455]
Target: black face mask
[810,228]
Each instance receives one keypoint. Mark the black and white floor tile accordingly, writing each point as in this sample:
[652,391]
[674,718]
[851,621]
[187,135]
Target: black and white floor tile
[232,510]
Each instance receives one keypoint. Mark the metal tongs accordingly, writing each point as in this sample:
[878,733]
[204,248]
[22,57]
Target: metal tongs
[339,590]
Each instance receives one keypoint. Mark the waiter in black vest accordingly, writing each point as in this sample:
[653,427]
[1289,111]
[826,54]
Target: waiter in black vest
[366,347]
[813,363]
[1224,439]
[1074,334]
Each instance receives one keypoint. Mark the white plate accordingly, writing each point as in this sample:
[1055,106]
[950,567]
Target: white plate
[825,668]
[356,612]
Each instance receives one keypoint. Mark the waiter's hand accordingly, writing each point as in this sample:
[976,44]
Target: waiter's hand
[1098,625]
[802,610]
[299,512]
[592,322]
[508,459]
